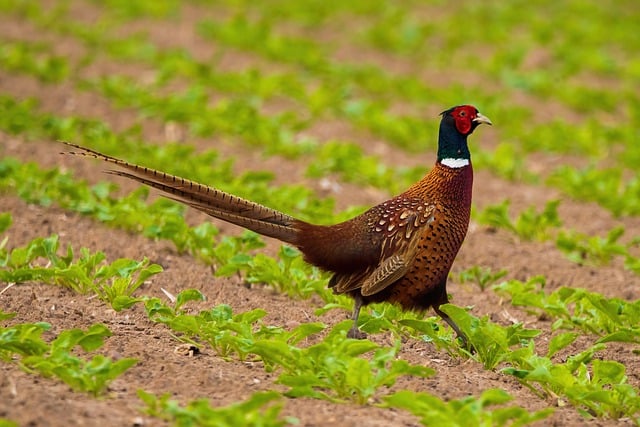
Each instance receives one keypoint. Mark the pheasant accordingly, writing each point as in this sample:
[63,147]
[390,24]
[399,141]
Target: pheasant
[399,251]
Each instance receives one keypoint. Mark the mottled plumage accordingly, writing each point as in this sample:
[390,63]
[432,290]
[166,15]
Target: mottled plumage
[399,251]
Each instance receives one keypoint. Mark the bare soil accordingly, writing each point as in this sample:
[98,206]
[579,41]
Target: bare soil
[35,401]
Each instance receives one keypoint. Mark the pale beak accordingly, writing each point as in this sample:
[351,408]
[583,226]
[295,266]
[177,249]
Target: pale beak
[482,119]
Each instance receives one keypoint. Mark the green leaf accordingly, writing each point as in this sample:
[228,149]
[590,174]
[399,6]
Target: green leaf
[305,330]
[608,372]
[5,222]
[122,302]
[94,337]
[495,396]
[626,335]
[186,296]
[6,316]
[560,341]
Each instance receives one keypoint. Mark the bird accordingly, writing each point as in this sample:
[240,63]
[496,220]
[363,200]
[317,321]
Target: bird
[400,251]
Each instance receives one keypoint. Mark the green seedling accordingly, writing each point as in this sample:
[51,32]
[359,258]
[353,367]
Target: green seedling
[492,343]
[5,222]
[39,260]
[612,319]
[230,335]
[431,331]
[607,187]
[481,276]
[334,369]
[505,162]
[529,225]
[6,316]
[34,59]
[238,116]
[468,411]
[594,250]
[287,274]
[386,317]
[115,283]
[22,339]
[349,162]
[56,359]
[261,409]
[598,388]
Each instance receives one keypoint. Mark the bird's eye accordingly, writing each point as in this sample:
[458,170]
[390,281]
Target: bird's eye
[463,113]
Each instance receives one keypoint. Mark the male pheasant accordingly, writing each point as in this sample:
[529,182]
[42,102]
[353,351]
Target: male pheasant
[400,251]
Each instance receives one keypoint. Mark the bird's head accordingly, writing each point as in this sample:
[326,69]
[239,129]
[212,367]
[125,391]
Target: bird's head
[465,118]
[457,124]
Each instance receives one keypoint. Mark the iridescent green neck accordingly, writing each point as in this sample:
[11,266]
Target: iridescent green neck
[451,143]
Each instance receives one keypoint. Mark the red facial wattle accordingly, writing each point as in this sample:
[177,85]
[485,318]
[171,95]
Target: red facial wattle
[463,117]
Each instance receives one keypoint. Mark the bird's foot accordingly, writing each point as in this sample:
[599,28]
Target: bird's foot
[356,333]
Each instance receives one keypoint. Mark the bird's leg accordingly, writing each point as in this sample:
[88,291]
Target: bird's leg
[459,333]
[355,332]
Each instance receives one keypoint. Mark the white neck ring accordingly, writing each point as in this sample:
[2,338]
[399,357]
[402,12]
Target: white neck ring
[455,163]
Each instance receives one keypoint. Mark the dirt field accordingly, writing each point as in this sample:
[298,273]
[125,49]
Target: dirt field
[35,401]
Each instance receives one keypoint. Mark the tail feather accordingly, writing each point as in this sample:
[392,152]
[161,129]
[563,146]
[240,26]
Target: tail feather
[216,203]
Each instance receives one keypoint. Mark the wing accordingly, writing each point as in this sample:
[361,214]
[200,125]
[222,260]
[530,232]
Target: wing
[391,269]
[402,236]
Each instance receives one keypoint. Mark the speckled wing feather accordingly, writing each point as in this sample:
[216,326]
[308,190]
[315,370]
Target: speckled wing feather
[399,248]
[391,269]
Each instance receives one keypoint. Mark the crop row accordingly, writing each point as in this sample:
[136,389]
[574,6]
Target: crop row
[613,191]
[334,368]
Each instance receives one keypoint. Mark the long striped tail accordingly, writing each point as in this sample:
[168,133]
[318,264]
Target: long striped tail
[253,216]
